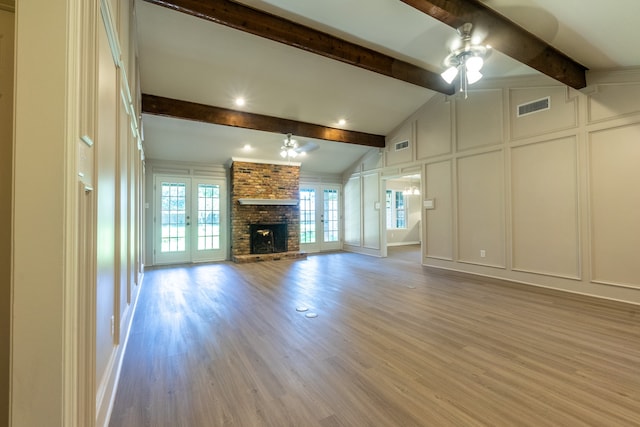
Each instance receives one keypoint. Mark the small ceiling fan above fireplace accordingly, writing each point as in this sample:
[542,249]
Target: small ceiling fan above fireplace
[291,148]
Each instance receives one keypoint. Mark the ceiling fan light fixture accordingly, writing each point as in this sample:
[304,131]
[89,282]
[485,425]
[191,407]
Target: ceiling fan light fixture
[474,63]
[466,60]
[289,148]
[473,76]
[449,74]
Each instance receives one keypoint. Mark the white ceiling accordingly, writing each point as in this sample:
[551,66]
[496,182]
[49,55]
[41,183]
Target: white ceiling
[191,59]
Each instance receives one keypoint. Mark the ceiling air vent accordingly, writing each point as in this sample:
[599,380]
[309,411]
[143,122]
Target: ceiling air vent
[534,106]
[402,145]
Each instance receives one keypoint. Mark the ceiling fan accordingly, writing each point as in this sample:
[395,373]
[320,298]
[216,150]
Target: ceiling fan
[465,60]
[291,147]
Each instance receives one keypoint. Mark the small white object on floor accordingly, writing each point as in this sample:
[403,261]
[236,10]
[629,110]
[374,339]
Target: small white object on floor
[311,315]
[301,309]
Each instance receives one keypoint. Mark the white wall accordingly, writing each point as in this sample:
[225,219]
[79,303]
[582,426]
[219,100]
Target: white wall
[76,149]
[549,199]
[363,202]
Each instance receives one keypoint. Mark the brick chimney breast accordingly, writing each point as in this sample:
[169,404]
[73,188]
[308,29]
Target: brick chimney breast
[271,182]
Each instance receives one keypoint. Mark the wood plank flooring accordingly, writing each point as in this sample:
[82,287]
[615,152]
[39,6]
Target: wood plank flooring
[393,345]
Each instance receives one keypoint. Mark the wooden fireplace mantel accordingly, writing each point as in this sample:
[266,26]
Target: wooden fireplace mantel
[272,202]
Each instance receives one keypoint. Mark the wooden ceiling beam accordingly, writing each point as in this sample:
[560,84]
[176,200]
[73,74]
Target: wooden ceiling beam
[244,18]
[507,37]
[175,108]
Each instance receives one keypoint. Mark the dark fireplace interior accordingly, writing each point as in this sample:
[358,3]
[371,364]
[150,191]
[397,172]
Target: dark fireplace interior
[268,238]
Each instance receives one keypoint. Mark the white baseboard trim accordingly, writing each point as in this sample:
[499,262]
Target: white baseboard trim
[403,243]
[119,358]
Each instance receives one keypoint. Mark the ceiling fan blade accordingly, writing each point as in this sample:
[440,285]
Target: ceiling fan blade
[306,147]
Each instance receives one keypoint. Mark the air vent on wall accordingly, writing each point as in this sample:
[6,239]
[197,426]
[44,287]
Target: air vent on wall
[534,106]
[402,145]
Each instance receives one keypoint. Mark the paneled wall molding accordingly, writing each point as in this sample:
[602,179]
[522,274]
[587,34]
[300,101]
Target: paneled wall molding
[434,128]
[613,174]
[631,286]
[390,172]
[409,170]
[598,103]
[545,208]
[479,185]
[112,33]
[116,53]
[562,113]
[625,75]
[306,178]
[546,273]
[403,133]
[479,120]
[186,169]
[77,370]
[569,172]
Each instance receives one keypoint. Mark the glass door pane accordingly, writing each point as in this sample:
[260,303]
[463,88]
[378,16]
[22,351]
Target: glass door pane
[172,220]
[209,233]
[320,218]
[208,217]
[173,217]
[307,216]
[331,216]
[190,223]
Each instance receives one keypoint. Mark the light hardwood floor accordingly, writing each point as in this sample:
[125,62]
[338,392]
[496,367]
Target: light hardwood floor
[394,344]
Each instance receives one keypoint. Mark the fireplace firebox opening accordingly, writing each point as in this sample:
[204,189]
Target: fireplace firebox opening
[268,238]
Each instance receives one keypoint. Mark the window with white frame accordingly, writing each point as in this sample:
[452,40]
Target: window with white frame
[396,210]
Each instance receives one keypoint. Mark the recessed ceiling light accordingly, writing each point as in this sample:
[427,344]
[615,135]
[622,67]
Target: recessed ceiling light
[342,122]
[239,102]
[247,147]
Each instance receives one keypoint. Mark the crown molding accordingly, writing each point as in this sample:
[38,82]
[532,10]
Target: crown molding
[263,161]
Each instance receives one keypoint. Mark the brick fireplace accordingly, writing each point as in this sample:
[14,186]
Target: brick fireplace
[264,196]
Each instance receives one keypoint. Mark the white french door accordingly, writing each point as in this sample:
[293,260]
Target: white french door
[190,220]
[320,228]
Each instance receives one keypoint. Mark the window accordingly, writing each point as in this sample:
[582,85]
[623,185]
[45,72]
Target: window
[396,210]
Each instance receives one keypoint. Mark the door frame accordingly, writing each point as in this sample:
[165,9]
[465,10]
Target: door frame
[320,245]
[191,254]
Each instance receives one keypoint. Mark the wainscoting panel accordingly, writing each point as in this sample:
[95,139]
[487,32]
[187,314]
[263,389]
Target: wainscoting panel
[433,130]
[353,212]
[479,119]
[439,221]
[615,205]
[481,219]
[400,145]
[561,114]
[371,213]
[614,100]
[545,219]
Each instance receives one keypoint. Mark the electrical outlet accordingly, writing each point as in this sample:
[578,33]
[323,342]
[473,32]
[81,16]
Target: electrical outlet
[483,253]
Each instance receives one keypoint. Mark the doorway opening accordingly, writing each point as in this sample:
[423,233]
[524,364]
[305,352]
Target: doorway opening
[403,216]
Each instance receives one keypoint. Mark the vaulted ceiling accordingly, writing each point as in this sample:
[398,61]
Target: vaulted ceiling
[301,66]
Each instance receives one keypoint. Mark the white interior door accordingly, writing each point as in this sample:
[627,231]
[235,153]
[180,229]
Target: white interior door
[320,218]
[190,220]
